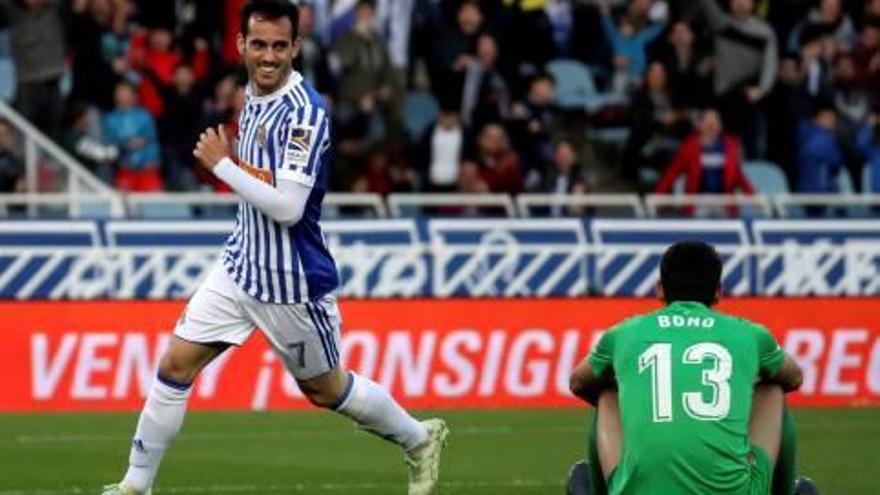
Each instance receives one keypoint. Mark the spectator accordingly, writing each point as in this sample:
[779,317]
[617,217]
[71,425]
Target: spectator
[829,17]
[710,160]
[629,47]
[485,96]
[154,55]
[7,63]
[499,164]
[443,147]
[688,67]
[36,32]
[93,24]
[364,63]
[312,59]
[657,125]
[745,65]
[819,157]
[11,166]
[532,126]
[560,13]
[470,180]
[853,106]
[80,140]
[817,52]
[179,129]
[869,145]
[453,50]
[130,127]
[866,58]
[565,176]
[787,104]
[387,171]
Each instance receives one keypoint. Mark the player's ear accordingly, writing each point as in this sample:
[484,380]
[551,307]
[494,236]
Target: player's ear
[718,291]
[239,41]
[295,48]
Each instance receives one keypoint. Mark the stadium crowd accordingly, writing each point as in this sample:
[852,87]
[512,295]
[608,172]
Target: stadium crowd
[469,96]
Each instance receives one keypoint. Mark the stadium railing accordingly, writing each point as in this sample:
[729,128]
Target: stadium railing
[853,205]
[70,178]
[574,203]
[79,203]
[211,204]
[410,204]
[710,204]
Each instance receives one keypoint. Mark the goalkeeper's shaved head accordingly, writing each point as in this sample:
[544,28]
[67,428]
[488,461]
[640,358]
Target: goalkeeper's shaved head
[690,271]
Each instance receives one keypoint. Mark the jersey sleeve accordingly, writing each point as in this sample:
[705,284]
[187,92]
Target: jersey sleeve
[602,357]
[770,355]
[304,144]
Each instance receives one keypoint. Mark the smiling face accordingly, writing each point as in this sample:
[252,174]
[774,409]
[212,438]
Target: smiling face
[268,49]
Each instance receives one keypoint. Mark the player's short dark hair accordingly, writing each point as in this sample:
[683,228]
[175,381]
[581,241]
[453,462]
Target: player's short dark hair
[690,271]
[270,10]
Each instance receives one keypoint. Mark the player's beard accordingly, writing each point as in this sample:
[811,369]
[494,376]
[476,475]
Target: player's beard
[267,81]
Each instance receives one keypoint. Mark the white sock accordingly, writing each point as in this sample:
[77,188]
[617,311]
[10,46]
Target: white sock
[158,426]
[374,410]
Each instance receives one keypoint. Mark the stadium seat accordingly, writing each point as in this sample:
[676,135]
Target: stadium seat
[767,177]
[420,110]
[95,210]
[165,211]
[575,88]
[866,181]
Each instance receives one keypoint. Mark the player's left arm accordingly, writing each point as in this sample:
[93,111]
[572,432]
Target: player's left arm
[285,203]
[595,373]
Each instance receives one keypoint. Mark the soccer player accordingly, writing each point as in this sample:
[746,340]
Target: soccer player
[689,400]
[276,272]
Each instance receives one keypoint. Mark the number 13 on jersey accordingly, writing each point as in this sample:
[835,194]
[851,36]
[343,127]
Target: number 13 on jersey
[657,360]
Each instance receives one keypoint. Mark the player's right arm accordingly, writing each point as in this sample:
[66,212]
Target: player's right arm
[775,365]
[595,373]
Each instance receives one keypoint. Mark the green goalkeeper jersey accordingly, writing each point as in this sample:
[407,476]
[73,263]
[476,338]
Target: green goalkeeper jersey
[685,377]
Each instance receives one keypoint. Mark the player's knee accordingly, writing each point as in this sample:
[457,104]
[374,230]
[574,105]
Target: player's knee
[174,368]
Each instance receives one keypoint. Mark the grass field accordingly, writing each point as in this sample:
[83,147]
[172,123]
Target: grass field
[490,452]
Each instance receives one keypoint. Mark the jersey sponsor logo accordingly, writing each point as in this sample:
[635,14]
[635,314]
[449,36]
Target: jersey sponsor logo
[258,173]
[298,146]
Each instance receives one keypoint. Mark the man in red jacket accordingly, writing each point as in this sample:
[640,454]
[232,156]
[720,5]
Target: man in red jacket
[710,160]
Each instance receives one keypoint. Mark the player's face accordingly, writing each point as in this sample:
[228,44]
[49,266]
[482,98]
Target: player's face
[268,51]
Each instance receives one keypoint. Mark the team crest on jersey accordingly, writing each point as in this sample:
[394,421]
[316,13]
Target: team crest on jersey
[261,134]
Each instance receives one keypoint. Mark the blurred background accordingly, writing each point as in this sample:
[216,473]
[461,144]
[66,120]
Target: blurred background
[506,176]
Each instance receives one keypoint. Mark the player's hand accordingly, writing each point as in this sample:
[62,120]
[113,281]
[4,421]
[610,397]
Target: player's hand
[212,147]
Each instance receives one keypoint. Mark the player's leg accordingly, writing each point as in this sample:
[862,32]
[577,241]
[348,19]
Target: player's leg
[307,338]
[765,434]
[604,442]
[784,470]
[609,432]
[211,322]
[164,410]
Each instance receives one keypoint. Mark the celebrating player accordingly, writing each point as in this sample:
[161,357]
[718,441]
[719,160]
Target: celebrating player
[276,272]
[689,400]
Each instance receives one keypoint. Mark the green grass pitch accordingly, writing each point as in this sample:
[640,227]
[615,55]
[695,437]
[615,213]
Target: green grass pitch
[489,452]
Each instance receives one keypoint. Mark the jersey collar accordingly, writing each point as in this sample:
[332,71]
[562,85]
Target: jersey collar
[293,80]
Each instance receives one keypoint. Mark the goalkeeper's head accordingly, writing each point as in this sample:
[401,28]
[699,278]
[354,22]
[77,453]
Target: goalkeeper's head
[690,271]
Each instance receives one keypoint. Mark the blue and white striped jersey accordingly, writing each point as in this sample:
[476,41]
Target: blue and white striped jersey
[283,135]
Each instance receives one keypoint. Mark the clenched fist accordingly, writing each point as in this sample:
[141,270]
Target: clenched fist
[212,147]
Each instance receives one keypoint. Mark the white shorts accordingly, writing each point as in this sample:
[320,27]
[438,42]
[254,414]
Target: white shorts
[305,336]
